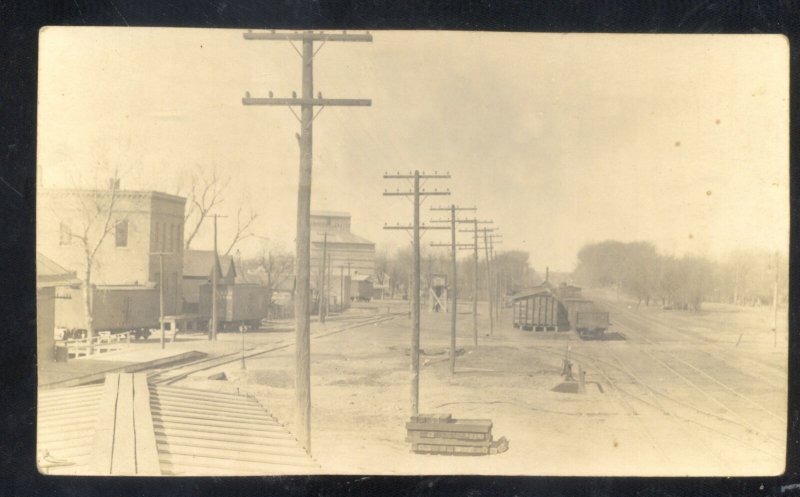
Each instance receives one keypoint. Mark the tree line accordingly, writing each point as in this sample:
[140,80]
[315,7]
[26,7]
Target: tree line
[743,277]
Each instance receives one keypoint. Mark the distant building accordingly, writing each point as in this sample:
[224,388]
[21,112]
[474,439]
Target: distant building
[348,253]
[198,270]
[141,223]
[49,275]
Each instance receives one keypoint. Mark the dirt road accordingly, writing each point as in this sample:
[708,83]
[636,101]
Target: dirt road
[667,394]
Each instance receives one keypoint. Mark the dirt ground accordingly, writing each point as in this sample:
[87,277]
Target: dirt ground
[667,392]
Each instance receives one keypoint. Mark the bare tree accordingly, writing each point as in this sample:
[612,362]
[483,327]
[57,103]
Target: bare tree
[278,268]
[97,221]
[241,229]
[205,194]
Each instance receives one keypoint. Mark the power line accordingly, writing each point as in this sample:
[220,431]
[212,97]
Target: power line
[453,275]
[417,193]
[474,222]
[307,102]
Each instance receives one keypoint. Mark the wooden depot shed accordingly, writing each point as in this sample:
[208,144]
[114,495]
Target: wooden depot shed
[539,310]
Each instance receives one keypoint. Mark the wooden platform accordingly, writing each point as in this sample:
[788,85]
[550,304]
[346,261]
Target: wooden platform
[87,371]
[127,427]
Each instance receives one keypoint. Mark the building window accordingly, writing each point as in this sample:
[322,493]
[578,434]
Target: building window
[64,234]
[155,236]
[121,234]
[163,237]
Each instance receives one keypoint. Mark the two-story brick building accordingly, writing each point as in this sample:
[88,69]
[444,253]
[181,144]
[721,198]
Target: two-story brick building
[141,225]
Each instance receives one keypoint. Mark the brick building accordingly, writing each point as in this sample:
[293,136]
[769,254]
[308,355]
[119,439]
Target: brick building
[141,223]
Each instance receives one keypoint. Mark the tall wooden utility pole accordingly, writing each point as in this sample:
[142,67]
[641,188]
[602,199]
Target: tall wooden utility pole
[416,228]
[161,291]
[214,285]
[453,274]
[489,290]
[307,102]
[489,295]
[341,289]
[489,241]
[321,286]
[328,286]
[474,248]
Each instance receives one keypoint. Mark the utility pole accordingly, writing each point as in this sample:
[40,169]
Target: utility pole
[341,289]
[416,193]
[453,275]
[474,248]
[488,242]
[161,291]
[489,296]
[349,280]
[328,287]
[321,286]
[489,290]
[215,284]
[307,102]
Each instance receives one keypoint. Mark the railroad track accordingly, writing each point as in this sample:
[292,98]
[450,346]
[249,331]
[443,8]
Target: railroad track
[638,336]
[697,415]
[766,373]
[171,375]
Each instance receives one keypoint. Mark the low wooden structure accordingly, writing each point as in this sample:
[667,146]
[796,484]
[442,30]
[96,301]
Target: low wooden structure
[442,434]
[129,427]
[539,310]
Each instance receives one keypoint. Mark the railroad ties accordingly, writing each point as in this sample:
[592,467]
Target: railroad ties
[441,434]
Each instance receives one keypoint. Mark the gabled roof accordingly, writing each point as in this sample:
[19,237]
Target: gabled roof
[129,427]
[49,273]
[533,291]
[199,263]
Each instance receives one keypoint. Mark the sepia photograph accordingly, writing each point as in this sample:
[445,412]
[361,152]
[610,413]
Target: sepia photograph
[276,252]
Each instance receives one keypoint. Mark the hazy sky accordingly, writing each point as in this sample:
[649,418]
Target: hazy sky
[561,139]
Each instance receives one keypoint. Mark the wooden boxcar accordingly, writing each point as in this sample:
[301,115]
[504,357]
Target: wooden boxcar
[240,304]
[540,311]
[591,324]
[586,318]
[115,309]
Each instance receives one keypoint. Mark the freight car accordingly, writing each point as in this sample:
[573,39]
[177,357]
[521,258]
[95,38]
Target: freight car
[586,319]
[115,309]
[539,311]
[240,304]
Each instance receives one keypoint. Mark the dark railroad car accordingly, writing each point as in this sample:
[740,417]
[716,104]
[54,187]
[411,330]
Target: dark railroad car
[574,305]
[361,288]
[591,324]
[239,304]
[565,291]
[539,311]
[115,309]
[586,318]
